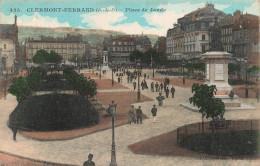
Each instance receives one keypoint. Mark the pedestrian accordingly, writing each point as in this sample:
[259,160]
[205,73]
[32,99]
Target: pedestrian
[160,99]
[161,85]
[164,86]
[142,85]
[121,80]
[167,92]
[131,117]
[139,114]
[147,76]
[172,91]
[14,130]
[145,85]
[144,75]
[156,86]
[128,79]
[154,113]
[152,86]
[134,84]
[118,79]
[89,162]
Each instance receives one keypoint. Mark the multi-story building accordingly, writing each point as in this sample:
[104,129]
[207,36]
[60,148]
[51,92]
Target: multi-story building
[9,36]
[160,45]
[120,47]
[70,47]
[7,56]
[189,38]
[245,41]
[226,24]
[143,43]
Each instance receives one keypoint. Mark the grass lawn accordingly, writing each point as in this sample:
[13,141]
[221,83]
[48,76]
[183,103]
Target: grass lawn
[241,143]
[54,112]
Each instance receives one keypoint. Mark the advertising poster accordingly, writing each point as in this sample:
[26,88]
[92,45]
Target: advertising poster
[129,83]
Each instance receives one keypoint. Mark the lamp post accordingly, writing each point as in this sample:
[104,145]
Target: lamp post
[113,109]
[92,66]
[112,75]
[152,64]
[246,90]
[183,78]
[5,87]
[88,65]
[100,68]
[138,74]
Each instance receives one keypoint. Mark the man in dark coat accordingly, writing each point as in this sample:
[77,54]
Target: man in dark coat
[156,86]
[167,92]
[154,112]
[139,114]
[172,91]
[152,86]
[134,84]
[161,85]
[118,79]
[89,162]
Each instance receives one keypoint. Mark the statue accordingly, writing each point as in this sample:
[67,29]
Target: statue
[160,99]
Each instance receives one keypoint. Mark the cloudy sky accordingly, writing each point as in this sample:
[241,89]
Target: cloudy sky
[129,16]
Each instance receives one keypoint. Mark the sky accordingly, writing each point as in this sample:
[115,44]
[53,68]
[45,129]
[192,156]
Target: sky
[129,16]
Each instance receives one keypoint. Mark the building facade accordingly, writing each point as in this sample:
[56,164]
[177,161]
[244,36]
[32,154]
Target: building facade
[7,56]
[69,47]
[189,38]
[9,37]
[120,47]
[160,45]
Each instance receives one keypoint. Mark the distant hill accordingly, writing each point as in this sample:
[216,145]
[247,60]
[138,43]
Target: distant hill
[93,36]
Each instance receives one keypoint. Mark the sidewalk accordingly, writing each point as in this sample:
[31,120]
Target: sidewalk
[170,116]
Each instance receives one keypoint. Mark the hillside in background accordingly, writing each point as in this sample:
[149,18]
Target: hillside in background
[93,36]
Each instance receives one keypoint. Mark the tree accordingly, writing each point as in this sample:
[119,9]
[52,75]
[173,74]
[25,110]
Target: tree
[43,56]
[83,86]
[20,88]
[136,55]
[208,105]
[34,78]
[40,57]
[232,68]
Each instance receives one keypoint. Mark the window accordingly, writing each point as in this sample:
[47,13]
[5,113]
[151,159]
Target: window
[255,47]
[203,48]
[203,37]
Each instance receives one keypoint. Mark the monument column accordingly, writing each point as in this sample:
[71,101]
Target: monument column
[217,74]
[216,65]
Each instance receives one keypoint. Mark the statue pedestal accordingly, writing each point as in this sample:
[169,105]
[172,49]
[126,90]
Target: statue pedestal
[216,65]
[105,61]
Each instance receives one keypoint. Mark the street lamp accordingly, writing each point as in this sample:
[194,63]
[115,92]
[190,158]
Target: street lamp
[183,78]
[246,90]
[138,74]
[113,109]
[5,76]
[92,66]
[100,68]
[152,64]
[112,66]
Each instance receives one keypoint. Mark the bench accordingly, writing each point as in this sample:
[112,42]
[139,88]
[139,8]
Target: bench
[220,123]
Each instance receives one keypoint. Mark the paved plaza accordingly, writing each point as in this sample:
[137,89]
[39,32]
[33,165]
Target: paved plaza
[75,151]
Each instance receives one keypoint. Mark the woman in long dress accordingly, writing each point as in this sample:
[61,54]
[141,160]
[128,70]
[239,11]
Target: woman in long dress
[131,117]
